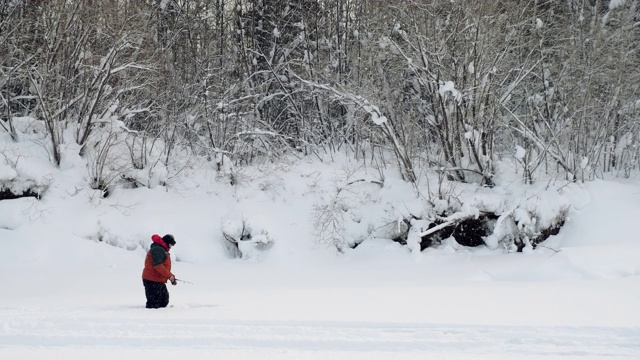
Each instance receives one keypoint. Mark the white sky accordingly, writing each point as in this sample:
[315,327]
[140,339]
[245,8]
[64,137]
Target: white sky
[66,295]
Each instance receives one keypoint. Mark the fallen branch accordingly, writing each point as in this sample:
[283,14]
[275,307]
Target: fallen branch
[444,225]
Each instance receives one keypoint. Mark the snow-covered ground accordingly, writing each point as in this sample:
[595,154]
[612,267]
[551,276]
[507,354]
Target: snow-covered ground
[67,295]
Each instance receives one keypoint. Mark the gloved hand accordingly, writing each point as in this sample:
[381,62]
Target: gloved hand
[173,280]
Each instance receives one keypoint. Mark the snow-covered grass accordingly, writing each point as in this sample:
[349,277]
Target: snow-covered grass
[71,265]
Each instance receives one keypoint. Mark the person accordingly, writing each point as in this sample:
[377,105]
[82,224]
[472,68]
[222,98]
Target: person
[157,271]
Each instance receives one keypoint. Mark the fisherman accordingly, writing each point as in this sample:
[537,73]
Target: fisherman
[157,271]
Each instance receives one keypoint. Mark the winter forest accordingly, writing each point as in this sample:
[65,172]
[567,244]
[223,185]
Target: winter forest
[342,179]
[441,92]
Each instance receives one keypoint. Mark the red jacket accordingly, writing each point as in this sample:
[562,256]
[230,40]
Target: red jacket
[157,264]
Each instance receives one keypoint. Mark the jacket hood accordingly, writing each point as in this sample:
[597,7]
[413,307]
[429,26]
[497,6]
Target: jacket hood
[157,239]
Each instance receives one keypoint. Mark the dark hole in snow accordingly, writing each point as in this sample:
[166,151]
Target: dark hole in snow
[356,244]
[402,238]
[436,237]
[469,232]
[7,194]
[544,235]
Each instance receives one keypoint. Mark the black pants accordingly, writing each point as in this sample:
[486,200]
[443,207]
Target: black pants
[157,294]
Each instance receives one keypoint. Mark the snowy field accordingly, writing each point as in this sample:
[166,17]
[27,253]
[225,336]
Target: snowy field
[67,295]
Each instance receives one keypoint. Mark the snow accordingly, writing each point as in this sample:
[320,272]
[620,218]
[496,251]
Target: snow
[375,113]
[584,162]
[72,263]
[163,5]
[616,3]
[520,152]
[449,87]
[7,173]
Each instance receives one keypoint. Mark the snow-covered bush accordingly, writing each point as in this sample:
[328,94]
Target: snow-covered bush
[495,217]
[107,163]
[526,225]
[104,234]
[21,176]
[329,223]
[244,238]
[350,212]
